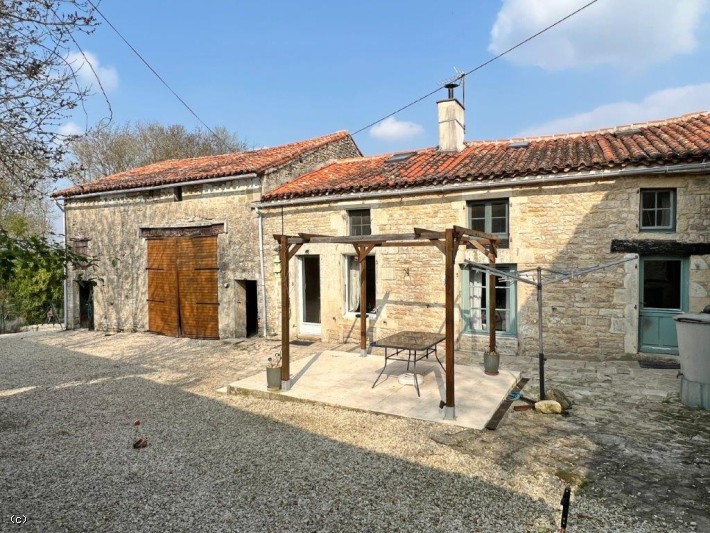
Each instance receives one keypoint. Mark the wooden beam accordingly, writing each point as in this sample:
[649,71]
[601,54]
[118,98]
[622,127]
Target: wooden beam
[290,239]
[294,248]
[474,233]
[492,306]
[285,307]
[428,234]
[449,317]
[440,245]
[478,246]
[405,244]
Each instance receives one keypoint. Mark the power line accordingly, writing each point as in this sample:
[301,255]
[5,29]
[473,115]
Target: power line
[156,74]
[479,67]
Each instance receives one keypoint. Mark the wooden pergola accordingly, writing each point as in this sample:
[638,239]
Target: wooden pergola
[447,241]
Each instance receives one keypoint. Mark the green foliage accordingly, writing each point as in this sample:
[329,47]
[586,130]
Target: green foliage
[32,274]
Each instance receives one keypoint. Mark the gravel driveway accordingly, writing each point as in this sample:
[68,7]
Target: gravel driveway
[69,400]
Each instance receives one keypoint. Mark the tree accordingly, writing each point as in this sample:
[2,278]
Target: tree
[32,274]
[38,88]
[108,149]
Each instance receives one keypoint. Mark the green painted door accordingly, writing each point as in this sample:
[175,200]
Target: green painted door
[663,291]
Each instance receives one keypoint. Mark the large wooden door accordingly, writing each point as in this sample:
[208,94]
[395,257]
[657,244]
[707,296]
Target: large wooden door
[197,286]
[163,314]
[182,287]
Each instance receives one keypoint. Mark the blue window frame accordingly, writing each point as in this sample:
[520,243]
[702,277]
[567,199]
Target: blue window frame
[491,216]
[658,210]
[475,306]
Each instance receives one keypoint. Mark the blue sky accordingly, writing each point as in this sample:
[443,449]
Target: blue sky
[281,71]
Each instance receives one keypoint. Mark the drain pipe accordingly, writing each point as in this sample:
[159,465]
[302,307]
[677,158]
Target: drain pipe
[64,232]
[261,265]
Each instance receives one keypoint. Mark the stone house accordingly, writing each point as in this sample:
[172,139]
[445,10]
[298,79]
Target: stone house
[562,202]
[176,244]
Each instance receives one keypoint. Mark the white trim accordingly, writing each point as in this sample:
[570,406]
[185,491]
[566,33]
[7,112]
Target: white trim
[305,328]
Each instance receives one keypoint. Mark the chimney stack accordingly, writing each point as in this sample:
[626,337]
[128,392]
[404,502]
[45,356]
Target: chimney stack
[451,122]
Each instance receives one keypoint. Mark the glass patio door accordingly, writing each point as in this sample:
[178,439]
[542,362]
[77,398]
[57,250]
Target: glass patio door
[663,292]
[310,295]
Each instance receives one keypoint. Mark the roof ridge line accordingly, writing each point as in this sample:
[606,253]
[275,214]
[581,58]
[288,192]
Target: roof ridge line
[588,133]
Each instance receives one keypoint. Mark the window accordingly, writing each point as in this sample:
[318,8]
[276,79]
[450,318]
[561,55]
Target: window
[81,247]
[476,309]
[657,210]
[352,284]
[359,221]
[491,217]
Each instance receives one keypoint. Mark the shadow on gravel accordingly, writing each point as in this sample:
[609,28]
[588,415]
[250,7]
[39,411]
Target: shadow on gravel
[67,462]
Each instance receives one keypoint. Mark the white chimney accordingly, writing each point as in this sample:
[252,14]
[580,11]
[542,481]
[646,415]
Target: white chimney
[451,122]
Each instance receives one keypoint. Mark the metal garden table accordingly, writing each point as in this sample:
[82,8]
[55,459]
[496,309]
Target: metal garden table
[418,345]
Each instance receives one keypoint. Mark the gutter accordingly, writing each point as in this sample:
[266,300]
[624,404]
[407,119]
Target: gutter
[456,187]
[250,175]
[261,265]
[66,273]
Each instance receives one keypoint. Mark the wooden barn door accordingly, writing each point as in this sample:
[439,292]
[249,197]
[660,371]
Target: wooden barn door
[197,286]
[163,287]
[182,287]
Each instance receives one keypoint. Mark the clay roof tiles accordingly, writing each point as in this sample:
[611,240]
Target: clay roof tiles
[182,170]
[678,140]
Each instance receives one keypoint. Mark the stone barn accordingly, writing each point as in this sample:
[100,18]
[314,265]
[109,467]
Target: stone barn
[176,245]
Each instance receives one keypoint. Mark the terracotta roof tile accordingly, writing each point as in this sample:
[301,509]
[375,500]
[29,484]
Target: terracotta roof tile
[677,140]
[198,168]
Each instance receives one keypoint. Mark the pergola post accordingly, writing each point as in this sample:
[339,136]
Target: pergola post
[450,255]
[492,307]
[285,306]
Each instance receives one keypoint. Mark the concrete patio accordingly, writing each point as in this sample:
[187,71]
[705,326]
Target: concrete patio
[345,379]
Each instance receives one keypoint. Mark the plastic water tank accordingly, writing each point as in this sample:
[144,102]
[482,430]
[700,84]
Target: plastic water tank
[694,347]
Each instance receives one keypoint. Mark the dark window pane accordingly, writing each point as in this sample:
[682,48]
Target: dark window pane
[663,218]
[501,298]
[663,199]
[371,301]
[478,224]
[478,211]
[648,219]
[661,284]
[499,210]
[311,289]
[498,225]
[648,199]
[501,320]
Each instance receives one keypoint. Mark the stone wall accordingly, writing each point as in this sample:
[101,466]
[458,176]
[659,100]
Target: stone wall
[562,226]
[112,224]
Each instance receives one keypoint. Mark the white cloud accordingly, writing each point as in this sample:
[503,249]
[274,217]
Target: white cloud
[392,129]
[659,105]
[70,128]
[623,33]
[107,75]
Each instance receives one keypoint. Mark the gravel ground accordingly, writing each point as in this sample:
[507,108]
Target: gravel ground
[68,402]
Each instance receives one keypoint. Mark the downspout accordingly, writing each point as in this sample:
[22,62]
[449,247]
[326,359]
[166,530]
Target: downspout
[64,232]
[261,266]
